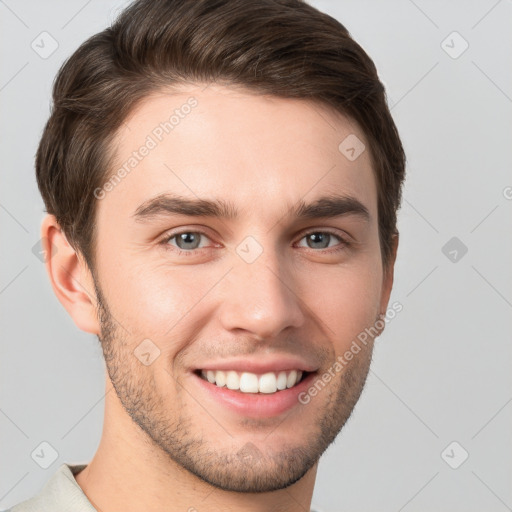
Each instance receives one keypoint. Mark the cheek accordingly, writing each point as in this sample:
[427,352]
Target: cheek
[160,301]
[345,301]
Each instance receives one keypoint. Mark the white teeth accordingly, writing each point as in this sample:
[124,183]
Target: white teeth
[292,379]
[232,380]
[220,378]
[281,381]
[268,383]
[247,382]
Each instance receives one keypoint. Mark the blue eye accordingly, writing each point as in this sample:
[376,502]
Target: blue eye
[321,239]
[186,241]
[189,242]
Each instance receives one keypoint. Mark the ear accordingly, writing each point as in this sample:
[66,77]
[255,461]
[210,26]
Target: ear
[70,277]
[388,275]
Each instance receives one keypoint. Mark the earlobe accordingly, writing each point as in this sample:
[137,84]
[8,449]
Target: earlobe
[70,277]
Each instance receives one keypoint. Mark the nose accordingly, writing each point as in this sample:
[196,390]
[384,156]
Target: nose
[260,298]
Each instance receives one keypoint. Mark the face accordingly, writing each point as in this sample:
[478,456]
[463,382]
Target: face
[219,318]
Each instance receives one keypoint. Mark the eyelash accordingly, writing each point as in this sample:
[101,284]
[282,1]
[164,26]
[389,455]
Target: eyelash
[192,252]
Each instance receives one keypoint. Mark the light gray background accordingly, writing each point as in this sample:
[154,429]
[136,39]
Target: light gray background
[441,371]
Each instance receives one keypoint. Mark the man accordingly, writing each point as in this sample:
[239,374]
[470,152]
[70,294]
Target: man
[221,180]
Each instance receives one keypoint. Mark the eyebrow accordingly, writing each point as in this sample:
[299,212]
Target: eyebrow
[165,205]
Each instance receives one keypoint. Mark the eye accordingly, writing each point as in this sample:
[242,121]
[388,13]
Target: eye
[186,241]
[323,239]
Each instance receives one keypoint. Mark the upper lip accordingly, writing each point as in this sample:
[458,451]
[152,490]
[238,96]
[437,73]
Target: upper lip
[260,365]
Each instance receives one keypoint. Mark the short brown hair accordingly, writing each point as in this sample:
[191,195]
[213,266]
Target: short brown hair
[285,48]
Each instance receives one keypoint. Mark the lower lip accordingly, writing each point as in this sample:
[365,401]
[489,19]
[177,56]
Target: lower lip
[257,405]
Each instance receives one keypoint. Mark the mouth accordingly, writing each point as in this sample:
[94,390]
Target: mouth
[259,388]
[253,383]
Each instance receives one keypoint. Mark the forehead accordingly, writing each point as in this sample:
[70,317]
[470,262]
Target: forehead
[260,153]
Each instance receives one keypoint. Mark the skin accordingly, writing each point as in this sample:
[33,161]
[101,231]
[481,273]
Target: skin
[165,445]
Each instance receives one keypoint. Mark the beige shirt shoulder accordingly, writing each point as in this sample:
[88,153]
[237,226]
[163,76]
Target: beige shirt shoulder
[60,494]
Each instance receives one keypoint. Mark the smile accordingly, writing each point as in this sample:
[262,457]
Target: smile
[247,382]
